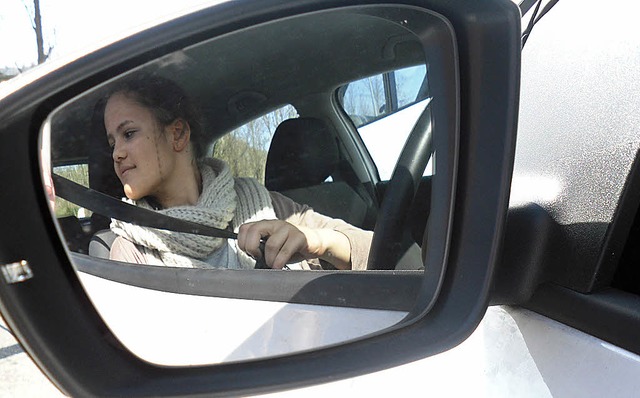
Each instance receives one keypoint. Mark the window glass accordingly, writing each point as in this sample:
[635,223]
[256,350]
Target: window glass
[385,151]
[383,105]
[245,148]
[409,83]
[78,173]
[240,82]
[364,100]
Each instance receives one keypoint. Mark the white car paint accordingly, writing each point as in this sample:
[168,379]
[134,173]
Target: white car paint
[198,330]
[513,352]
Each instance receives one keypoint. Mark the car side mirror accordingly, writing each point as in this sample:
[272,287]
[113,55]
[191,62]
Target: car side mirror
[474,65]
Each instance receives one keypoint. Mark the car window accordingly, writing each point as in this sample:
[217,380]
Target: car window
[78,173]
[384,105]
[245,148]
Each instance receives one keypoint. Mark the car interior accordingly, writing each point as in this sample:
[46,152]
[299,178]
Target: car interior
[316,159]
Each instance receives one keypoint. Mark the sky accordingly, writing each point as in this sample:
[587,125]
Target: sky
[73,25]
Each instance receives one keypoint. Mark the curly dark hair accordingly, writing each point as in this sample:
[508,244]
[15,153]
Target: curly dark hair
[167,101]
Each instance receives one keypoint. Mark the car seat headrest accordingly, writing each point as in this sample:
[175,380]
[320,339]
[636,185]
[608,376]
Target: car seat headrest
[302,153]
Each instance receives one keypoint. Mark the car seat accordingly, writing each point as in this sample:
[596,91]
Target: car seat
[304,163]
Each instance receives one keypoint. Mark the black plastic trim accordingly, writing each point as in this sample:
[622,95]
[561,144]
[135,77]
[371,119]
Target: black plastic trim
[618,239]
[531,243]
[611,315]
[383,290]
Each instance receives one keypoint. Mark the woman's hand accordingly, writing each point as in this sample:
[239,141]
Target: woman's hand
[287,243]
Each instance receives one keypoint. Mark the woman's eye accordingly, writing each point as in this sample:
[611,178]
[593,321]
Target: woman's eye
[128,134]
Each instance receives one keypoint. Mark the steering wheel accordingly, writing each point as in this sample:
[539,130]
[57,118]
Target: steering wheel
[386,246]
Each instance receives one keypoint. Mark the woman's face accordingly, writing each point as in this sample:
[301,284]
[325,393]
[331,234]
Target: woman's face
[143,157]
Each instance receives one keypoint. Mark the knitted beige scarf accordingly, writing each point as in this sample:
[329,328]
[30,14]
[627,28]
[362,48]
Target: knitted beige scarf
[224,202]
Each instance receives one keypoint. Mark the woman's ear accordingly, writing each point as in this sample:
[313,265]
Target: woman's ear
[180,134]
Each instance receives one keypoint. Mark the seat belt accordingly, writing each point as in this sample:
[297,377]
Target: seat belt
[111,207]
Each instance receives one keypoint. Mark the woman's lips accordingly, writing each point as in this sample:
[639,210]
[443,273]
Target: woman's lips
[124,170]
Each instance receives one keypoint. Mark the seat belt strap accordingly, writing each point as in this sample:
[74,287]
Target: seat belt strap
[111,207]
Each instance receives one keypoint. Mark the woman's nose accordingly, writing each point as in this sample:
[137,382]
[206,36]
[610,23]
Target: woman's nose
[118,153]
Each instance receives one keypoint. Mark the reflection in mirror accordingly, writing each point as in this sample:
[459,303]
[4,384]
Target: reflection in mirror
[256,149]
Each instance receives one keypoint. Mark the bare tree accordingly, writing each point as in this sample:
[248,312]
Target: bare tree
[364,99]
[245,148]
[376,94]
[36,24]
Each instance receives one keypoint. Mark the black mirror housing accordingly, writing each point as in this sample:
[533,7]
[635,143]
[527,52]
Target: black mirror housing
[57,324]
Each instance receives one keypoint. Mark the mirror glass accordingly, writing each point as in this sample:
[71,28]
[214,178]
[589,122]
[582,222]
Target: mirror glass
[298,121]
